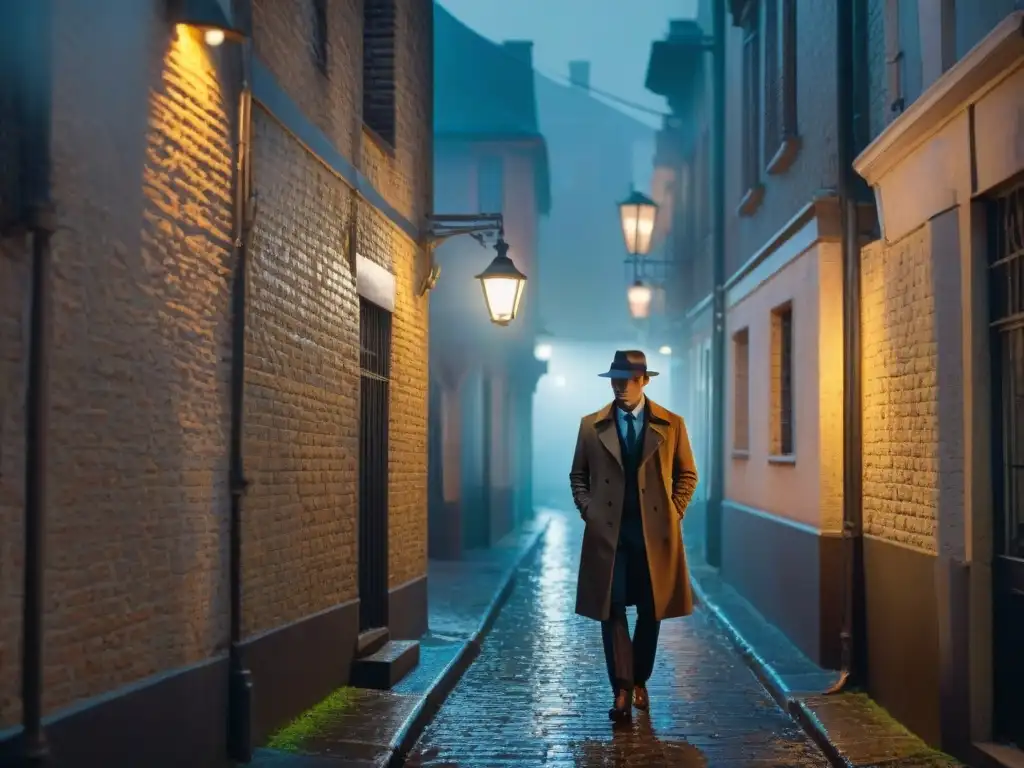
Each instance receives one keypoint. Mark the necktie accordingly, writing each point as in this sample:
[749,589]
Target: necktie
[630,431]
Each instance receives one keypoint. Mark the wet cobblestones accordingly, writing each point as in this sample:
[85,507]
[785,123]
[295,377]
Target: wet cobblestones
[538,694]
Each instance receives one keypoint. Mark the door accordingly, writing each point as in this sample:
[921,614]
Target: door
[374,391]
[1006,283]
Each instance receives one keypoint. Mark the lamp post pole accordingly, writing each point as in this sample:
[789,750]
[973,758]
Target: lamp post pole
[713,542]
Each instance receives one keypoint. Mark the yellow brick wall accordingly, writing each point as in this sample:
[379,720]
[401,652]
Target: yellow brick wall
[137,497]
[301,538]
[900,411]
[302,389]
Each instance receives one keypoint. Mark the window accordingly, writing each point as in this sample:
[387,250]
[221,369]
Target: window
[782,381]
[741,392]
[894,59]
[379,68]
[751,157]
[780,138]
[490,184]
[320,34]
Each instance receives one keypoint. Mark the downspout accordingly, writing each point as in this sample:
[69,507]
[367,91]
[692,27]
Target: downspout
[239,677]
[37,90]
[713,540]
[851,117]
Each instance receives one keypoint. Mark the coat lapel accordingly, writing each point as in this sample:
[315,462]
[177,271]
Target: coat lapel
[656,431]
[608,434]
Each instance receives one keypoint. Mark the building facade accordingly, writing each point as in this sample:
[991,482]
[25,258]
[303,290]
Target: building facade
[490,157]
[936,103]
[139,568]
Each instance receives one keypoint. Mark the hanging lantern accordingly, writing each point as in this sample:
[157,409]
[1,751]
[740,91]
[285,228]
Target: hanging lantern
[637,213]
[639,298]
[503,286]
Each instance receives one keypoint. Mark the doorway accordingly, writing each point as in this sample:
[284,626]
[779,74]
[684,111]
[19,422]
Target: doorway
[1006,299]
[374,395]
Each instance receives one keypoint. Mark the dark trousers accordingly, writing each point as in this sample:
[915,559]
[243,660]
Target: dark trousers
[630,661]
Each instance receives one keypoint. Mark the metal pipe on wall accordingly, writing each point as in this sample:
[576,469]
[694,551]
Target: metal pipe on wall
[851,116]
[36,101]
[713,542]
[239,736]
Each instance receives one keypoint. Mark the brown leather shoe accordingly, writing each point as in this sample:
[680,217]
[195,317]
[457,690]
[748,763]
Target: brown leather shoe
[622,709]
[640,698]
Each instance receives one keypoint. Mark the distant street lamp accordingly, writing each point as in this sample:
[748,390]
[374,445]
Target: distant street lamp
[503,286]
[543,351]
[639,298]
[637,214]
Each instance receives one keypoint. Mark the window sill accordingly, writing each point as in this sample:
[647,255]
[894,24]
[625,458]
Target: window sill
[751,201]
[379,141]
[785,459]
[786,155]
[739,453]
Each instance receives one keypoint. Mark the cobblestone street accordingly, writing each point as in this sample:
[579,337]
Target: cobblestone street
[538,693]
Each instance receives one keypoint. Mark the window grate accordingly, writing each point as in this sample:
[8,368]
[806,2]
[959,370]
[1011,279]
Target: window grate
[379,30]
[782,435]
[374,416]
[741,391]
[1006,285]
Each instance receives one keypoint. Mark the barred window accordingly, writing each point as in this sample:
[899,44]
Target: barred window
[741,391]
[751,97]
[379,30]
[780,73]
[782,381]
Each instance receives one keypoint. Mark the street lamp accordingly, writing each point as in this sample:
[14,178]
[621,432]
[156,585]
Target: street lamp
[502,283]
[637,214]
[206,16]
[639,298]
[503,286]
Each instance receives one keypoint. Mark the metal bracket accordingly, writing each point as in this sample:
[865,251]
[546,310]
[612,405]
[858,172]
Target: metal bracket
[442,227]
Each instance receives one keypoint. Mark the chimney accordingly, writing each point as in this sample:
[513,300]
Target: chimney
[579,74]
[521,49]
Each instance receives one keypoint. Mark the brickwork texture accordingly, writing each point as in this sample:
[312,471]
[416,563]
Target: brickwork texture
[136,530]
[136,573]
[900,411]
[302,399]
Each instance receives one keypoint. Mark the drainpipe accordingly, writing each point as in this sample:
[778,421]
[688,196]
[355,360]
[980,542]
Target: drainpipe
[240,679]
[39,220]
[851,115]
[713,540]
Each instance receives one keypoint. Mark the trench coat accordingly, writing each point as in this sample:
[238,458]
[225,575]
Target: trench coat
[667,479]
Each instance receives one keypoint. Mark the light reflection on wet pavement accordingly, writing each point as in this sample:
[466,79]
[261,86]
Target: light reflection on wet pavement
[538,694]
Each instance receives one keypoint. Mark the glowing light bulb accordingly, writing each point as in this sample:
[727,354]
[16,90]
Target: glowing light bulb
[214,37]
[665,351]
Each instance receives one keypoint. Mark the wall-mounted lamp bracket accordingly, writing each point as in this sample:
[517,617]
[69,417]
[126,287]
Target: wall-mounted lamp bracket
[442,227]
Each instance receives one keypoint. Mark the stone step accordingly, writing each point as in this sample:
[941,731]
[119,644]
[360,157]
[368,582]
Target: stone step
[371,641]
[386,666]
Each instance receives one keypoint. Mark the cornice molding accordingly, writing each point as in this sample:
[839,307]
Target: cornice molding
[986,65]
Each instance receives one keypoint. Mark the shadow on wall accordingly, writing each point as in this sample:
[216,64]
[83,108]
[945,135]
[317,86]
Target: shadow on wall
[569,391]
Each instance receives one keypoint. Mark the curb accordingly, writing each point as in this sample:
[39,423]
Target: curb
[772,683]
[427,707]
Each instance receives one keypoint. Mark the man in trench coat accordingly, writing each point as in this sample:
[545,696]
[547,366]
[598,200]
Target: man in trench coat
[632,477]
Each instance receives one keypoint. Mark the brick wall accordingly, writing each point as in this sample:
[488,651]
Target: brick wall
[900,411]
[135,583]
[303,358]
[13,289]
[302,389]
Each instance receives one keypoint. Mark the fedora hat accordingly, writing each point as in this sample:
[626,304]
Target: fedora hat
[627,364]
